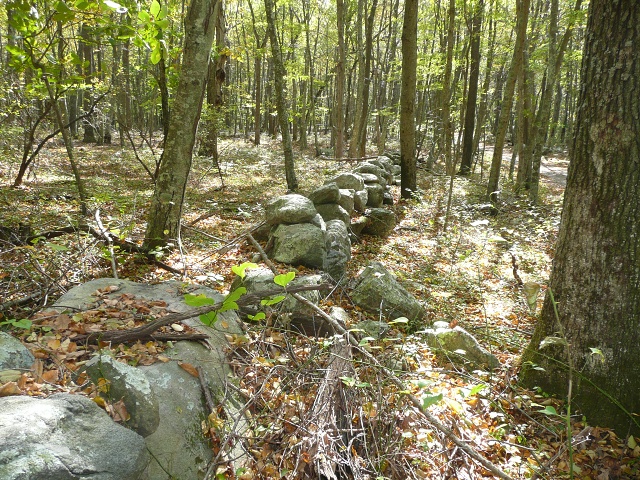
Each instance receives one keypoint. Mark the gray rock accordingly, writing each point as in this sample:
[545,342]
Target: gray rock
[291,305]
[66,437]
[396,170]
[129,384]
[328,193]
[460,345]
[373,328]
[338,249]
[384,177]
[347,200]
[332,211]
[387,198]
[261,279]
[376,288]
[178,394]
[375,195]
[360,199]
[371,178]
[357,226]
[381,222]
[300,244]
[319,222]
[348,180]
[13,354]
[384,162]
[292,208]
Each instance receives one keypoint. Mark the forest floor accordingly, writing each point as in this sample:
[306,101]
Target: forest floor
[464,275]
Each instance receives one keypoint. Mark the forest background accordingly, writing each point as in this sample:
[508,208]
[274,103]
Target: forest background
[87,103]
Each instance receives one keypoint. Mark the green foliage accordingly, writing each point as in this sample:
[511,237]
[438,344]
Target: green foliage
[24,323]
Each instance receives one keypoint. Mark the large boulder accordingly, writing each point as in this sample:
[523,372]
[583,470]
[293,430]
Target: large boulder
[13,354]
[292,208]
[348,180]
[376,288]
[300,244]
[328,193]
[347,199]
[459,346]
[384,177]
[338,249]
[177,446]
[360,199]
[375,195]
[380,222]
[332,211]
[66,437]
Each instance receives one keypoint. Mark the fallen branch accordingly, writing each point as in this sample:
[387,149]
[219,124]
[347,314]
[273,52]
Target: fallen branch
[146,331]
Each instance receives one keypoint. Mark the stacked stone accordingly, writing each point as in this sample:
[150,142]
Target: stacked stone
[315,231]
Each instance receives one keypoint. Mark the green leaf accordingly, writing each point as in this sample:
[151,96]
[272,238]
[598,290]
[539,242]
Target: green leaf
[257,317]
[477,389]
[209,319]
[348,381]
[154,9]
[365,341]
[273,300]
[239,270]
[23,323]
[162,24]
[549,410]
[56,247]
[198,300]
[228,306]
[284,279]
[597,351]
[399,320]
[144,16]
[156,56]
[431,399]
[235,295]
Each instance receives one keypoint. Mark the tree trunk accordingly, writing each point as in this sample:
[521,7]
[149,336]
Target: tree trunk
[408,99]
[507,100]
[596,271]
[446,91]
[340,81]
[543,115]
[279,75]
[468,146]
[166,207]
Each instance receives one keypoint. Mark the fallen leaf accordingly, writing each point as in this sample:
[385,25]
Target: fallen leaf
[190,369]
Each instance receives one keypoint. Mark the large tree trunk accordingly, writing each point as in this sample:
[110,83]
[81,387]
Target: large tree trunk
[408,99]
[279,75]
[166,207]
[596,270]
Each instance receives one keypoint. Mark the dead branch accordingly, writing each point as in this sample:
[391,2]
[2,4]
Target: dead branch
[146,331]
[401,386]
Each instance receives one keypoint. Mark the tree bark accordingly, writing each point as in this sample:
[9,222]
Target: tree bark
[468,146]
[166,207]
[446,91]
[279,74]
[408,99]
[595,278]
[507,100]
[340,81]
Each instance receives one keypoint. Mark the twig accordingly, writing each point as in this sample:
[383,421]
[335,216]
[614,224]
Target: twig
[389,374]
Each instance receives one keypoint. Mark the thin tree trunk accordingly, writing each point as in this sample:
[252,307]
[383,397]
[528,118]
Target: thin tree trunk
[281,104]
[522,14]
[408,99]
[468,146]
[168,199]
